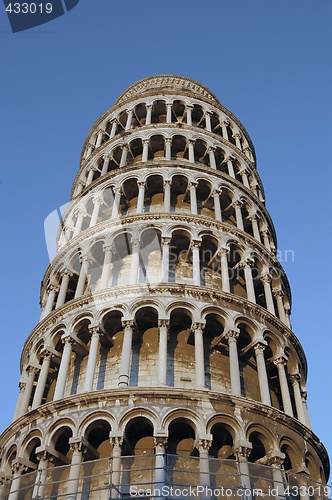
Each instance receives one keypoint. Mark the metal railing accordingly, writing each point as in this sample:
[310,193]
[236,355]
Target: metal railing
[170,477]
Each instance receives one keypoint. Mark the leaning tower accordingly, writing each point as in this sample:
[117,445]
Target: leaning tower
[164,364]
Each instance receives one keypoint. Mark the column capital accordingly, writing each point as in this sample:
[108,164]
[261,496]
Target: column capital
[224,251]
[135,242]
[224,122]
[167,182]
[68,340]
[52,287]
[248,262]
[204,444]
[160,442]
[275,458]
[259,347]
[192,185]
[265,278]
[294,378]
[163,323]
[18,468]
[197,326]
[232,335]
[145,141]
[278,292]
[66,272]
[166,240]
[168,140]
[237,203]
[141,184]
[128,323]
[281,361]
[196,243]
[242,450]
[95,330]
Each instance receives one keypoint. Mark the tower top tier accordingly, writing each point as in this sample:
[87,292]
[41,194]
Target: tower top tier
[168,84]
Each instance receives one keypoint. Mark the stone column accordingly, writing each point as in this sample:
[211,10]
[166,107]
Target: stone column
[224,125]
[193,199]
[305,407]
[199,355]
[96,207]
[212,158]
[63,369]
[295,380]
[247,265]
[148,114]
[116,203]
[90,175]
[216,202]
[278,293]
[140,199]
[75,469]
[89,150]
[32,370]
[224,270]
[135,250]
[275,460]
[66,275]
[41,477]
[163,326]
[124,154]
[145,153]
[262,375]
[99,138]
[237,137]
[266,240]
[238,214]
[191,151]
[203,446]
[244,176]
[116,441]
[82,277]
[105,275]
[168,148]
[196,263]
[230,167]
[255,228]
[79,222]
[208,114]
[266,280]
[106,163]
[18,470]
[287,316]
[126,353]
[113,129]
[17,412]
[232,336]
[167,195]
[165,259]
[168,112]
[92,359]
[189,109]
[285,396]
[129,118]
[160,450]
[242,450]
[52,289]
[42,379]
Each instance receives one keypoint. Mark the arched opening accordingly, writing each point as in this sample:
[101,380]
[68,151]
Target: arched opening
[217,374]
[154,194]
[157,147]
[97,434]
[130,197]
[150,257]
[205,205]
[108,363]
[210,266]
[144,360]
[178,111]
[158,114]
[197,116]
[121,260]
[181,350]
[236,274]
[180,198]
[200,152]
[179,148]
[135,151]
[247,363]
[180,258]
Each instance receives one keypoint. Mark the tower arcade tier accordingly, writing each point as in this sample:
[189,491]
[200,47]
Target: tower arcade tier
[164,355]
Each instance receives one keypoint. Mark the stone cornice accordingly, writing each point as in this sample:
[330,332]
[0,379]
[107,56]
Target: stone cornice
[108,399]
[205,295]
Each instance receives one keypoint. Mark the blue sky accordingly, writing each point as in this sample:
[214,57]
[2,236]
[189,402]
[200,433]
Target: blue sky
[268,61]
